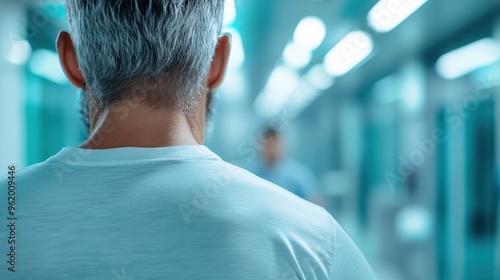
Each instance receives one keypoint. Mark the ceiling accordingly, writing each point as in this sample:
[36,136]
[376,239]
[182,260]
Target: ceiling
[266,26]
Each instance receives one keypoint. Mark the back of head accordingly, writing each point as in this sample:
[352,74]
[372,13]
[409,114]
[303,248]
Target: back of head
[161,49]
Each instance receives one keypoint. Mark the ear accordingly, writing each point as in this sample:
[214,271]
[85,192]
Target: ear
[68,59]
[219,62]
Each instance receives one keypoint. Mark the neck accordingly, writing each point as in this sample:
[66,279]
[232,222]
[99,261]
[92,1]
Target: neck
[138,125]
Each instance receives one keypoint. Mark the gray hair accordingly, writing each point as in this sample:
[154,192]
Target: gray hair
[122,45]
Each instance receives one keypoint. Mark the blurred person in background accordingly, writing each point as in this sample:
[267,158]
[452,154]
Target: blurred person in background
[276,167]
[142,198]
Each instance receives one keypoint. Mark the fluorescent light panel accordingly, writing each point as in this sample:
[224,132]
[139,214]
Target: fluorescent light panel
[309,89]
[465,60]
[45,63]
[302,97]
[310,33]
[348,53]
[318,79]
[387,14]
[296,57]
[229,12]
[278,90]
[19,52]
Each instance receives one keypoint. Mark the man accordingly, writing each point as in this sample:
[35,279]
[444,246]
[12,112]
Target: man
[285,172]
[142,198]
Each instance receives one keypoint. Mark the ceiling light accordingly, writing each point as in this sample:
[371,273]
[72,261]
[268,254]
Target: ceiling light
[19,52]
[229,12]
[348,53]
[45,63]
[465,60]
[387,14]
[318,79]
[278,90]
[310,33]
[296,57]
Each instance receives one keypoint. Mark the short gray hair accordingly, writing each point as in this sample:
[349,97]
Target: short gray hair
[121,44]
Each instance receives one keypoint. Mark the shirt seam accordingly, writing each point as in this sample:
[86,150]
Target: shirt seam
[125,162]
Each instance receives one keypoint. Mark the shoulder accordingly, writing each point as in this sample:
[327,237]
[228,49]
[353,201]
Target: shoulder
[13,172]
[32,178]
[274,202]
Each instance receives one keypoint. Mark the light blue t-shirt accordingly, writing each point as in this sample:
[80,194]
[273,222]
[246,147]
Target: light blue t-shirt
[165,213]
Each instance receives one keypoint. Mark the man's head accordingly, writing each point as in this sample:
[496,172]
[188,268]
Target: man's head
[272,146]
[167,54]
